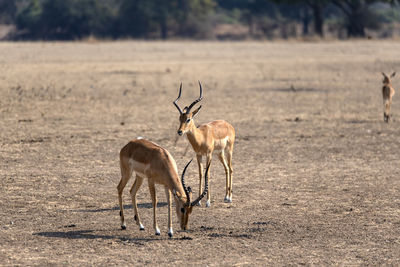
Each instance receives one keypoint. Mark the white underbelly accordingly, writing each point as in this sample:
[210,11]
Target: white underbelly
[138,167]
[220,144]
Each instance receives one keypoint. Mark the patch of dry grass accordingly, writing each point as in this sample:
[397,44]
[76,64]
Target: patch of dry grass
[315,168]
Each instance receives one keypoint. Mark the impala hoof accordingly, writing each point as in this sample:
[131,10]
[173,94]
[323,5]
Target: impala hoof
[158,232]
[141,227]
[170,233]
[198,204]
[228,200]
[123,227]
[208,204]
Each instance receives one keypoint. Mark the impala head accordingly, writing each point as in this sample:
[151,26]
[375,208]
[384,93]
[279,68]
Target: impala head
[186,116]
[184,205]
[386,79]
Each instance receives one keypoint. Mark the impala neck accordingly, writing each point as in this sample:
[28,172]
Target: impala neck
[194,136]
[177,186]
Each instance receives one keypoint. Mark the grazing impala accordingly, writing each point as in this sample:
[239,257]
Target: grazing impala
[387,93]
[216,136]
[155,163]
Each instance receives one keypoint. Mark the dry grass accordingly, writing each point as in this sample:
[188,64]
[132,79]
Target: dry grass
[316,176]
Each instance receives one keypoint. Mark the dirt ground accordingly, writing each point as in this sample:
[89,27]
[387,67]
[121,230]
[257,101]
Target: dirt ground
[316,170]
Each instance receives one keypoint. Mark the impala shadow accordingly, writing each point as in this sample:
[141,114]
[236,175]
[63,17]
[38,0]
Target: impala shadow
[140,206]
[89,234]
[359,121]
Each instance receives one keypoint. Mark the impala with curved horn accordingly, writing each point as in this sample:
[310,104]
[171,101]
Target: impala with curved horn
[155,163]
[215,136]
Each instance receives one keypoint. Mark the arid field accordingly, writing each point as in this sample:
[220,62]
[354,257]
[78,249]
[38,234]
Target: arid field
[316,170]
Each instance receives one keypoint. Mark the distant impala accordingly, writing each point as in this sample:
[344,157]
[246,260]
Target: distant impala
[387,93]
[215,136]
[155,163]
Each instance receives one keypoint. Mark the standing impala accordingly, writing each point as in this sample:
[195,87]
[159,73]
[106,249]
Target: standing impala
[215,136]
[155,163]
[387,93]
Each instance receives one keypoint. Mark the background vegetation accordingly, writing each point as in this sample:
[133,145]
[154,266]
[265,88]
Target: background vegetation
[201,19]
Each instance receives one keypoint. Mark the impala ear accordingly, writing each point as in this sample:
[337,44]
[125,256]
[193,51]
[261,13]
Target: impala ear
[386,78]
[195,111]
[392,75]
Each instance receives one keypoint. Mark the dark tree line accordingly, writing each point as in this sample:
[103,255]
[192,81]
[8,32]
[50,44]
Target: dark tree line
[149,19]
[357,15]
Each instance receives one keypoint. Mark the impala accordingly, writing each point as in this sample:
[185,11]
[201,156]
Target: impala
[387,93]
[215,136]
[155,163]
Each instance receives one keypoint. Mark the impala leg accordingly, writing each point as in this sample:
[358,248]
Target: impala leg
[200,164]
[384,109]
[120,188]
[386,113]
[208,203]
[126,173]
[170,231]
[152,189]
[229,158]
[221,157]
[135,187]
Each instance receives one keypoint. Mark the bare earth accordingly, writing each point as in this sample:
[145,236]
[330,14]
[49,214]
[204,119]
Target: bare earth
[316,170]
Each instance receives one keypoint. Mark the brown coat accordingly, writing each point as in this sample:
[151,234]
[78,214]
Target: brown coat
[387,94]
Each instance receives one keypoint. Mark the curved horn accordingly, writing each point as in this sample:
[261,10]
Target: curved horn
[183,182]
[179,96]
[197,100]
[194,203]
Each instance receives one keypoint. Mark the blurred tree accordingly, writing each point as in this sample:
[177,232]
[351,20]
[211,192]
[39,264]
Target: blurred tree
[251,9]
[29,17]
[56,20]
[298,13]
[75,19]
[135,18]
[63,19]
[142,18]
[359,15]
[8,11]
[306,21]
[104,18]
[317,10]
[191,17]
